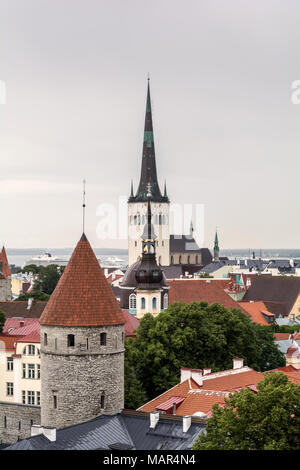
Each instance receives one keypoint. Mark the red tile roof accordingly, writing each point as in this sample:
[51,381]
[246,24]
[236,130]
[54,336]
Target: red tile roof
[8,343]
[255,309]
[13,326]
[196,402]
[5,266]
[232,381]
[281,336]
[131,323]
[179,390]
[82,296]
[196,290]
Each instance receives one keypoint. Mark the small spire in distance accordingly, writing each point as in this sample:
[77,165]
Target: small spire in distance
[131,192]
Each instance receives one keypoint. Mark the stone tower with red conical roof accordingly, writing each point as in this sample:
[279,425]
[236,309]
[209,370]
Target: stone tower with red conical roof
[82,345]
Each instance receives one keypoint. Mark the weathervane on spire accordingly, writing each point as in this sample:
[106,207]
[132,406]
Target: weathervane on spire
[83,206]
[148,76]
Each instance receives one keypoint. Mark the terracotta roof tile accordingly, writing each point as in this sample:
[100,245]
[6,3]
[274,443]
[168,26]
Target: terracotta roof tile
[196,290]
[5,266]
[179,390]
[231,382]
[82,296]
[282,336]
[131,323]
[256,310]
[199,402]
[8,343]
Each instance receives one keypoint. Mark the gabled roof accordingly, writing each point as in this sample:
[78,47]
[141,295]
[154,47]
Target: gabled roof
[197,290]
[275,289]
[20,309]
[257,310]
[82,296]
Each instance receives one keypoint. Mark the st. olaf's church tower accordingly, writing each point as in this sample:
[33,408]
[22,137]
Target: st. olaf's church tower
[137,204]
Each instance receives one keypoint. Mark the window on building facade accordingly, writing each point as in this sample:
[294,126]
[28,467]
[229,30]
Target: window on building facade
[54,401]
[103,339]
[23,397]
[143,302]
[55,343]
[87,343]
[31,371]
[71,340]
[45,339]
[132,301]
[30,397]
[172,259]
[38,398]
[10,363]
[154,303]
[122,338]
[166,301]
[9,389]
[5,422]
[38,371]
[24,371]
[188,259]
[31,350]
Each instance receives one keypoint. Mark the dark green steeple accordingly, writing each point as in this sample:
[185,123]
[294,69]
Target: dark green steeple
[148,171]
[216,247]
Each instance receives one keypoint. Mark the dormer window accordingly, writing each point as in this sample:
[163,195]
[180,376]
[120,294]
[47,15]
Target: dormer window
[71,341]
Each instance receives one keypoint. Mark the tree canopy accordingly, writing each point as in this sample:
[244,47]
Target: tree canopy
[36,295]
[48,277]
[2,320]
[268,420]
[197,335]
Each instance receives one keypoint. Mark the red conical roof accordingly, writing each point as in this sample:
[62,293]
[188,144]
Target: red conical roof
[82,296]
[5,266]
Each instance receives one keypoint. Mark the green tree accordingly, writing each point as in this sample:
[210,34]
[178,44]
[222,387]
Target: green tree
[33,268]
[133,391]
[268,420]
[197,335]
[36,295]
[48,278]
[2,320]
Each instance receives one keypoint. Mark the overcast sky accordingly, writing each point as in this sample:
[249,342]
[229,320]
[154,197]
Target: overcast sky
[226,132]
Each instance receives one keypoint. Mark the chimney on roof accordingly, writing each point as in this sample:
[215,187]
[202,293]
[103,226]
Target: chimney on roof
[22,323]
[30,300]
[186,423]
[195,374]
[48,432]
[154,418]
[238,363]
[174,409]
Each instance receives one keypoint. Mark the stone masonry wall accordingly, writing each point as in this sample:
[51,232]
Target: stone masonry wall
[78,375]
[5,289]
[19,419]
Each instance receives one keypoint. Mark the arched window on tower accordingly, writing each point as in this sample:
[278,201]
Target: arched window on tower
[166,301]
[188,259]
[132,301]
[160,219]
[143,302]
[172,259]
[154,303]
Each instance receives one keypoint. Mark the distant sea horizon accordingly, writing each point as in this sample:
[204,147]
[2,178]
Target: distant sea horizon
[19,256]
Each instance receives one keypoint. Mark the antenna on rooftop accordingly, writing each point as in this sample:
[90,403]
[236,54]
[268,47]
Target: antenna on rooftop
[83,206]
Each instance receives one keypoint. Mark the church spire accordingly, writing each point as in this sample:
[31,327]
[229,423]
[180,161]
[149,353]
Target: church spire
[148,170]
[216,247]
